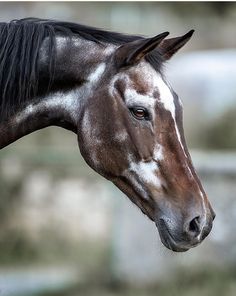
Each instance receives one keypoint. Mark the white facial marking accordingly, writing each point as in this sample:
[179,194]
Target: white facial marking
[121,136]
[146,171]
[137,185]
[167,100]
[158,153]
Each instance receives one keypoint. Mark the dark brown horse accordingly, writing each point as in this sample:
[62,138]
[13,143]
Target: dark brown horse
[109,89]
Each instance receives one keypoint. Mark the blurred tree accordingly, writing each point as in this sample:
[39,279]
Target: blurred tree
[221,134]
[9,198]
[193,8]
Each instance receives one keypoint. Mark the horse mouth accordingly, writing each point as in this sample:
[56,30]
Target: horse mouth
[169,242]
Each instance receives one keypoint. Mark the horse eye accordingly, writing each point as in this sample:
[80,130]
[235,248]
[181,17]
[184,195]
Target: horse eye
[139,113]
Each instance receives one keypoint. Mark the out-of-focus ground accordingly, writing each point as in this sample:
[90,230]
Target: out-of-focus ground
[66,231]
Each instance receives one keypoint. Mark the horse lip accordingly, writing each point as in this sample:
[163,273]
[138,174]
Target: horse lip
[206,231]
[168,240]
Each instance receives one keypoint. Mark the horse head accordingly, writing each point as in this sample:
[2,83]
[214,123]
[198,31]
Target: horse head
[131,132]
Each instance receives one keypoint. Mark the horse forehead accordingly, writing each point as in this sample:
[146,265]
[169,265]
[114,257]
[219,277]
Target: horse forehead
[143,77]
[142,80]
[145,80]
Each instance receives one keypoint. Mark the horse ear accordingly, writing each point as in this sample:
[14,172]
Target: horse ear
[132,52]
[169,47]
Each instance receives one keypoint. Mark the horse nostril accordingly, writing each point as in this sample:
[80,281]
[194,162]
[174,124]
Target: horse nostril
[193,228]
[213,215]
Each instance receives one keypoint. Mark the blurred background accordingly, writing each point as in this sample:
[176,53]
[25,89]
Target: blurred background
[66,231]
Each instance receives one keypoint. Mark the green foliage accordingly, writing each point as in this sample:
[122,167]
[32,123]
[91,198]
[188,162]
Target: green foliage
[205,282]
[221,134]
[205,8]
[16,248]
[9,198]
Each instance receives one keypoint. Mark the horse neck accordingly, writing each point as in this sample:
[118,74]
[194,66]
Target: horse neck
[78,66]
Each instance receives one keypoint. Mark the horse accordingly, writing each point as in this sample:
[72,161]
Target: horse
[110,90]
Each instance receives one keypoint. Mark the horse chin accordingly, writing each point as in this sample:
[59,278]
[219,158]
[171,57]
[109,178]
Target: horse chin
[169,242]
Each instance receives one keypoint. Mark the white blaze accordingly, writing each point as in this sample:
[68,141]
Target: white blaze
[167,100]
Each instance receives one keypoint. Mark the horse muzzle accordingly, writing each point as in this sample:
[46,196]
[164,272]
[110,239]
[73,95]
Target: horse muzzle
[180,237]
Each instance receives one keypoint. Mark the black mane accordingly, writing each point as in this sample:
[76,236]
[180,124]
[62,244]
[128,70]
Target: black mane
[20,42]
